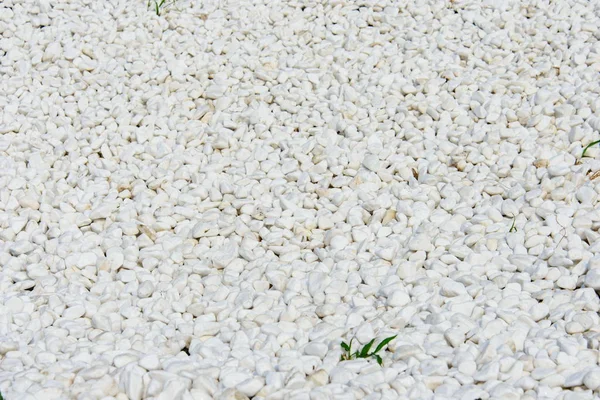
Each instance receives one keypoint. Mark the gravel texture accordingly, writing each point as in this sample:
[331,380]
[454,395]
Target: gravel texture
[204,204]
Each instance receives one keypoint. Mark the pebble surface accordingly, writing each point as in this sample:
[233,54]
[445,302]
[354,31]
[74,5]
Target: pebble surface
[204,204]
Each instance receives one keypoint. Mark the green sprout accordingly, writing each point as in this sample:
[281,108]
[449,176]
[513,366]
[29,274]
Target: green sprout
[588,146]
[159,4]
[513,228]
[364,353]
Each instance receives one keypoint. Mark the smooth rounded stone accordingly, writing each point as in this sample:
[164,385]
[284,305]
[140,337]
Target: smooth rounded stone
[375,378]
[586,195]
[558,169]
[567,282]
[132,382]
[115,258]
[21,247]
[592,379]
[434,367]
[101,212]
[398,298]
[86,259]
[560,261]
[126,276]
[316,349]
[468,367]
[73,312]
[454,337]
[14,304]
[592,279]
[251,386]
[29,201]
[341,375]
[124,359]
[406,351]
[539,311]
[452,289]
[234,378]
[319,378]
[420,243]
[372,163]
[487,373]
[145,289]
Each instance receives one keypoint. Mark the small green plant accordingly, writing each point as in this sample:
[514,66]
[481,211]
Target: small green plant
[588,146]
[364,352]
[513,228]
[157,6]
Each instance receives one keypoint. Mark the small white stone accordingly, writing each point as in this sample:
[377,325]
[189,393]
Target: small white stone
[150,362]
[372,163]
[29,202]
[126,276]
[319,378]
[14,304]
[341,375]
[145,289]
[592,279]
[558,170]
[21,247]
[452,289]
[123,359]
[115,258]
[52,52]
[398,298]
[592,379]
[102,212]
[488,372]
[132,382]
[316,349]
[325,223]
[539,311]
[251,386]
[87,259]
[454,337]
[74,312]
[467,367]
[420,243]
[405,351]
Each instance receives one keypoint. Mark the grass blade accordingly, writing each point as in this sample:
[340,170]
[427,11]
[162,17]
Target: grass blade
[345,346]
[588,146]
[379,360]
[513,228]
[384,343]
[365,350]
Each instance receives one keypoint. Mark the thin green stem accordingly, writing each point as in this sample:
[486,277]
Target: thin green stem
[588,146]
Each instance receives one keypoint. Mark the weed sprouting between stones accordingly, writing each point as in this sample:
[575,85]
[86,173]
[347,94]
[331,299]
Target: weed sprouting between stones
[364,352]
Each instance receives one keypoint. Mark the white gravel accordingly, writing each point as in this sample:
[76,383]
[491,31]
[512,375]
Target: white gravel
[204,204]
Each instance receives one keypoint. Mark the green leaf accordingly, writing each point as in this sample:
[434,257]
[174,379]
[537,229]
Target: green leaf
[588,146]
[384,343]
[379,360]
[365,350]
[345,346]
